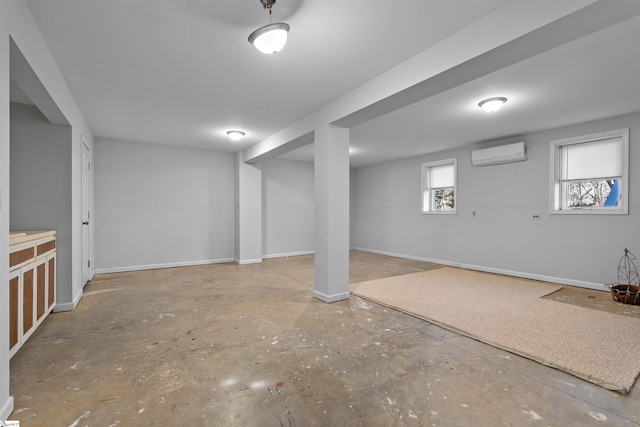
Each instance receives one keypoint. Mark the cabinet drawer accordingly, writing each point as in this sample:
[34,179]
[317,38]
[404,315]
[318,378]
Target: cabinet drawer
[21,256]
[45,247]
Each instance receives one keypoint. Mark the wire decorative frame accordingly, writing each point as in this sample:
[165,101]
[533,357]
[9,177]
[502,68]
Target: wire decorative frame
[627,291]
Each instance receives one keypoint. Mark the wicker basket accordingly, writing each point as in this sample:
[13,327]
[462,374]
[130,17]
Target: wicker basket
[627,291]
[626,294]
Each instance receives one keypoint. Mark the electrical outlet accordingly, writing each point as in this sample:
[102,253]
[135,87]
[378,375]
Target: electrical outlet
[473,213]
[535,216]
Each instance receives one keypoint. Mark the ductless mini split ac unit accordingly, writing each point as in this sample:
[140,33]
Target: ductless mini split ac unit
[497,155]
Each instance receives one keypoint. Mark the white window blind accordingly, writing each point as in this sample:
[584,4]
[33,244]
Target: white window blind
[593,160]
[441,176]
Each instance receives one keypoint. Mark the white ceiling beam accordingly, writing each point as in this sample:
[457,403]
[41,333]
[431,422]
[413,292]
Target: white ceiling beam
[26,79]
[509,35]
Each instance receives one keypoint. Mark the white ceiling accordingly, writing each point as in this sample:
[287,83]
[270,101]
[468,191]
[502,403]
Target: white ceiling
[594,77]
[181,72]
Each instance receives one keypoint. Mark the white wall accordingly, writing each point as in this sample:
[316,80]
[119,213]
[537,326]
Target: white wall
[41,185]
[287,208]
[17,23]
[159,206]
[573,249]
[248,211]
[149,196]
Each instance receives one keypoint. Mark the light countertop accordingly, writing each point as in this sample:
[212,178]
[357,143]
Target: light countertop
[16,237]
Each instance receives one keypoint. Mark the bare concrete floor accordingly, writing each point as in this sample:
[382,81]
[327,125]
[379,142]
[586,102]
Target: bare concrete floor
[228,345]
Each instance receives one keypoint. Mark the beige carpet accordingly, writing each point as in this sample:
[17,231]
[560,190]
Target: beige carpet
[509,313]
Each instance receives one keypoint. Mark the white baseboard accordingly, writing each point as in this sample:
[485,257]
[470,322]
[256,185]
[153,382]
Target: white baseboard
[6,409]
[247,261]
[543,278]
[164,265]
[68,306]
[288,254]
[331,298]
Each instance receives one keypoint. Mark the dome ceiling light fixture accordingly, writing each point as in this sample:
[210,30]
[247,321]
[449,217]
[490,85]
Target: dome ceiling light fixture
[235,135]
[491,105]
[271,38]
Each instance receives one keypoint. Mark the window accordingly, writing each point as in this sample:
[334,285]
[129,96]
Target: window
[589,174]
[439,186]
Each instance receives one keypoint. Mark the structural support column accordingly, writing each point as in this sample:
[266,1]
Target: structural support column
[331,145]
[248,217]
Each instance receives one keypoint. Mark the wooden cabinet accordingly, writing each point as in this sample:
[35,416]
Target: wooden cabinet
[32,283]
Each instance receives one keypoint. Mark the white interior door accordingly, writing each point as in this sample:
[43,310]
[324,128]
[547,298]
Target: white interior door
[86,213]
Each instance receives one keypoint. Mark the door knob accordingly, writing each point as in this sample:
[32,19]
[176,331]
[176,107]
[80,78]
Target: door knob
[85,222]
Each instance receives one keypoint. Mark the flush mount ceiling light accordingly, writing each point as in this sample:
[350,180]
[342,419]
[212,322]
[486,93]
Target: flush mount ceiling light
[272,37]
[235,135]
[491,105]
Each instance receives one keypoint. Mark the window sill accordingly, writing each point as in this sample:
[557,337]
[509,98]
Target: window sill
[590,212]
[439,213]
